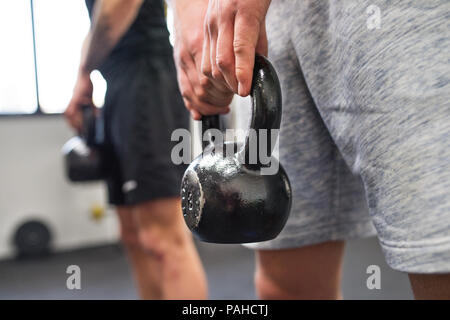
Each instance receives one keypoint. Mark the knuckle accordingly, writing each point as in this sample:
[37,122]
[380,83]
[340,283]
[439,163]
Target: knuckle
[183,62]
[185,93]
[241,48]
[197,38]
[252,17]
[223,63]
[202,94]
[206,70]
[196,42]
[216,74]
[205,83]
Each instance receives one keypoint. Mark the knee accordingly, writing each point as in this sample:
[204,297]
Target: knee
[161,243]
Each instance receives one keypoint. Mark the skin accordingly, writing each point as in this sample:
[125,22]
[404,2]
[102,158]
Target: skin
[201,95]
[233,31]
[111,19]
[311,272]
[161,251]
[145,270]
[430,286]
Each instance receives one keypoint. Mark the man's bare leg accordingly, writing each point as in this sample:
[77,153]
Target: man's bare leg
[170,252]
[312,272]
[430,286]
[143,275]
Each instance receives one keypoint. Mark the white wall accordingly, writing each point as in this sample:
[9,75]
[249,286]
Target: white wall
[33,185]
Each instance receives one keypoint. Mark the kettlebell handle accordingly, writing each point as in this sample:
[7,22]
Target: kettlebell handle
[209,122]
[266,104]
[88,126]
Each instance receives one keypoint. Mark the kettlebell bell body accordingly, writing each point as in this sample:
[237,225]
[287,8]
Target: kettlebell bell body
[225,199]
[83,154]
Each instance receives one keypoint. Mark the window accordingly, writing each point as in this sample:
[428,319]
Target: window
[60,28]
[39,75]
[17,69]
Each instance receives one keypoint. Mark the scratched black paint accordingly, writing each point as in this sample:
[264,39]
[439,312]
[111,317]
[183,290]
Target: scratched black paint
[226,201]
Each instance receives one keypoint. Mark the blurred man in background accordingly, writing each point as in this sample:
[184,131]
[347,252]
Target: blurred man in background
[128,43]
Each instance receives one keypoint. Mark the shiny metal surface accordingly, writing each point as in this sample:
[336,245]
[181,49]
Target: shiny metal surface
[226,201]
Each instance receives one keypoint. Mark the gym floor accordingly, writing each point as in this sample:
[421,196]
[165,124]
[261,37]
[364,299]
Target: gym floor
[105,274]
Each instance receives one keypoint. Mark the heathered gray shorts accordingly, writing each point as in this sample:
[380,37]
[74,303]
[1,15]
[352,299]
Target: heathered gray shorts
[366,124]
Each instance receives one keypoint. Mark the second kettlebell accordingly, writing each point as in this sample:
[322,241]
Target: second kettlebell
[83,154]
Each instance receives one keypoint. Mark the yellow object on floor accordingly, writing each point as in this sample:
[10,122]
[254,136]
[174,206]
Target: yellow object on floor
[97,212]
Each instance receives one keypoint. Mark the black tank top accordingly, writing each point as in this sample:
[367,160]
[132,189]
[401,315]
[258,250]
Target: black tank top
[148,33]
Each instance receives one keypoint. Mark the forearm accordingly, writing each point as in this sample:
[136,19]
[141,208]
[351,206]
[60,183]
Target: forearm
[111,19]
[188,17]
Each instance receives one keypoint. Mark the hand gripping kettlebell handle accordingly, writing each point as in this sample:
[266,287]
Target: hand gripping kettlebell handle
[266,105]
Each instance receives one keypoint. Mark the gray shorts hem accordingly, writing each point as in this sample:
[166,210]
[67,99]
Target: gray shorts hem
[425,259]
[343,231]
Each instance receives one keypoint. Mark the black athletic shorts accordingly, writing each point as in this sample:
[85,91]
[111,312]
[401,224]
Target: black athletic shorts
[142,108]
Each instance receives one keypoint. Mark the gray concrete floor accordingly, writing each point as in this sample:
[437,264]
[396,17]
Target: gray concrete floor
[105,274]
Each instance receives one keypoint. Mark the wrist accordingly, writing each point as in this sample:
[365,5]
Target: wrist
[186,12]
[180,6]
[84,73]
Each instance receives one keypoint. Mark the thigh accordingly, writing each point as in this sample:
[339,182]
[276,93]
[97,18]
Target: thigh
[128,225]
[126,217]
[163,212]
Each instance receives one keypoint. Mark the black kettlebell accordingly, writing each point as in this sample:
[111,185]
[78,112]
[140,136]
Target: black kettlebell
[227,200]
[83,154]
